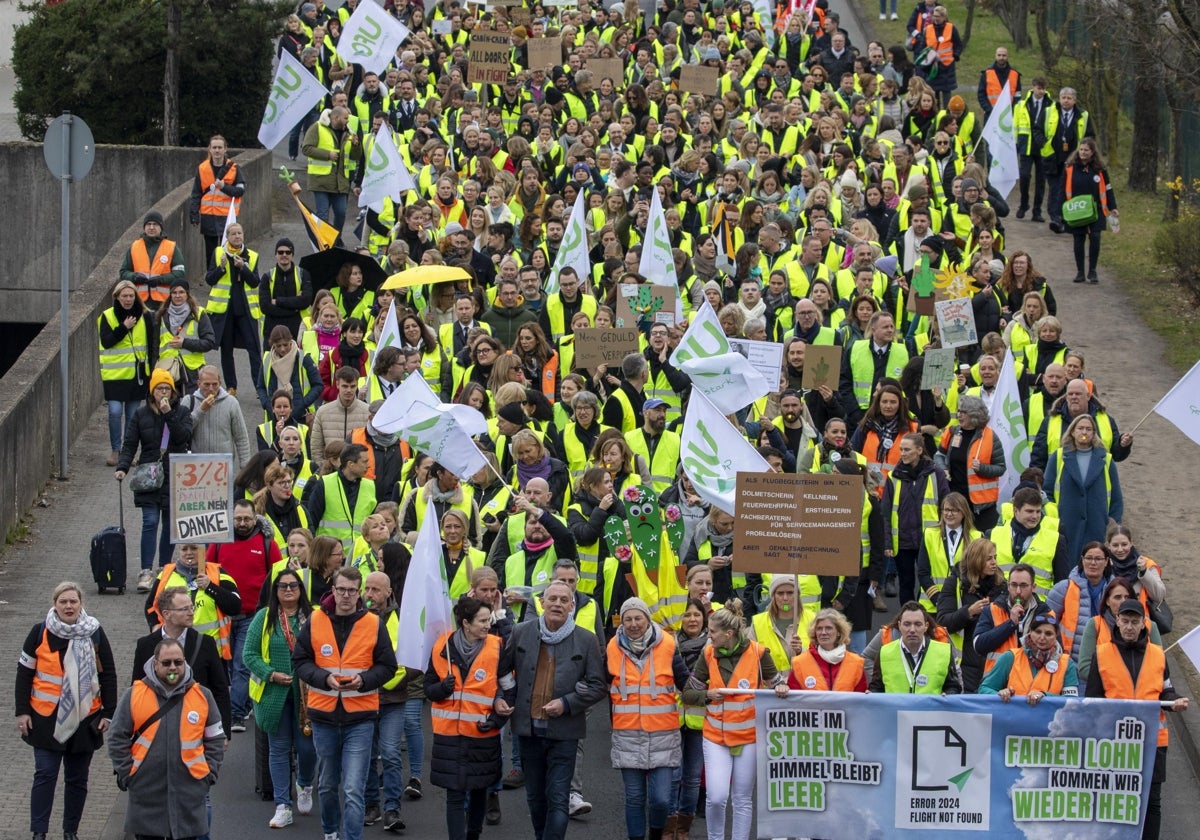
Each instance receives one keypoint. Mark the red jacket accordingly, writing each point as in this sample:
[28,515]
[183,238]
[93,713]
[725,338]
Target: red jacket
[248,562]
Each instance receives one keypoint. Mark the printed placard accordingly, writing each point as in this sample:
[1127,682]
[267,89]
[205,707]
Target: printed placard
[765,356]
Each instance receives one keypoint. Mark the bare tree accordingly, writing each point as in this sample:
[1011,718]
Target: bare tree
[1014,14]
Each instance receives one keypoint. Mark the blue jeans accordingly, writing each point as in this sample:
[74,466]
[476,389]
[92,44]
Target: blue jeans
[388,731]
[45,780]
[331,201]
[464,813]
[883,3]
[548,766]
[687,775]
[638,783]
[239,678]
[345,758]
[151,518]
[117,423]
[286,738]
[414,737]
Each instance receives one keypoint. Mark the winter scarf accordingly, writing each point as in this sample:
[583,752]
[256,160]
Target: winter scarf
[81,680]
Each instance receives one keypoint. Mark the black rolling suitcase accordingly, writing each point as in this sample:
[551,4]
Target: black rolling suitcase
[262,766]
[108,555]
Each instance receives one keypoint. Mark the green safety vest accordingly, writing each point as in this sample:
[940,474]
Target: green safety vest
[628,417]
[929,508]
[665,463]
[326,140]
[193,360]
[764,630]
[554,311]
[931,675]
[862,368]
[659,388]
[393,629]
[465,506]
[218,295]
[337,521]
[574,451]
[475,559]
[1040,554]
[278,536]
[122,361]
[589,560]
[1054,431]
[514,570]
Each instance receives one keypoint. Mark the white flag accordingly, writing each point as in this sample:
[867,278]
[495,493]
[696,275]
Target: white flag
[1181,405]
[230,219]
[712,452]
[293,94]
[1002,144]
[371,37]
[390,334]
[1189,643]
[425,612]
[573,250]
[728,380]
[1008,425]
[441,430]
[657,264]
[385,175]
[704,337]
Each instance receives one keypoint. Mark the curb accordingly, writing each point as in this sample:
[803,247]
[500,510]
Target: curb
[1185,728]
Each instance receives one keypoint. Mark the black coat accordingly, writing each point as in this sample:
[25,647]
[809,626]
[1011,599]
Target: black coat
[143,437]
[207,667]
[953,604]
[128,390]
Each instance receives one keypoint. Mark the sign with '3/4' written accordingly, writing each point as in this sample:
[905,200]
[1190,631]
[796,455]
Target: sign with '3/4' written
[201,498]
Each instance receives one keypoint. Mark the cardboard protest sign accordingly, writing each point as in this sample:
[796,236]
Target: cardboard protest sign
[956,322]
[544,52]
[595,346]
[606,68]
[488,55]
[201,498]
[822,366]
[695,78]
[646,302]
[939,369]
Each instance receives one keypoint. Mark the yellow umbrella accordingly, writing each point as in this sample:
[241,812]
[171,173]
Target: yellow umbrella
[424,274]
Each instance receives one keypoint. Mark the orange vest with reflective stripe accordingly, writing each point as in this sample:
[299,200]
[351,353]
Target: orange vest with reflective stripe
[644,698]
[472,700]
[1104,632]
[1022,680]
[993,86]
[208,617]
[982,490]
[805,667]
[164,259]
[1118,682]
[1069,619]
[884,460]
[217,203]
[47,680]
[731,722]
[358,655]
[999,616]
[192,719]
[943,43]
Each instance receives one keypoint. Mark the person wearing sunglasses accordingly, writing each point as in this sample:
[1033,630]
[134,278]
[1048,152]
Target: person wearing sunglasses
[1037,668]
[167,744]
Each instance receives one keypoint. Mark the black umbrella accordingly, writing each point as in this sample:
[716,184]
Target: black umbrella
[323,268]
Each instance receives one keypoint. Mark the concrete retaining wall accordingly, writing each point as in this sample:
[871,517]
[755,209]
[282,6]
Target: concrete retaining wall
[29,392]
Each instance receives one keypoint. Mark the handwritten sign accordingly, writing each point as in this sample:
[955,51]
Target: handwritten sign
[695,78]
[822,366]
[956,322]
[595,346]
[938,370]
[544,52]
[765,356]
[201,498]
[805,523]
[488,57]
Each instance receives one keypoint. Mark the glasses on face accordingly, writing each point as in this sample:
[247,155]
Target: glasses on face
[1091,558]
[188,609]
[167,663]
[339,554]
[1014,585]
[283,252]
[288,585]
[345,591]
[941,143]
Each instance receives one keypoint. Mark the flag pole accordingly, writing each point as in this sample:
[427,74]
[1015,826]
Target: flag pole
[1138,426]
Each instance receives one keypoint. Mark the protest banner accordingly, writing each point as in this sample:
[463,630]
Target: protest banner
[606,68]
[596,346]
[201,498]
[698,79]
[805,523]
[544,52]
[764,356]
[822,366]
[488,57]
[956,322]
[890,765]
[939,369]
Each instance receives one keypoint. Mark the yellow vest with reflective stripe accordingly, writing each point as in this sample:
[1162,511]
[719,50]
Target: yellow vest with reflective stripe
[935,667]
[659,388]
[665,462]
[862,368]
[194,360]
[929,507]
[1040,553]
[326,140]
[121,362]
[337,521]
[554,311]
[589,560]
[218,295]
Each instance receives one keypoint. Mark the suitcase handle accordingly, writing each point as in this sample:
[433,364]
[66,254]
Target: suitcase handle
[121,501]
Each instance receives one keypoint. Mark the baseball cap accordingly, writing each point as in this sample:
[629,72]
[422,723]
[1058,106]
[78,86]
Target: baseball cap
[654,402]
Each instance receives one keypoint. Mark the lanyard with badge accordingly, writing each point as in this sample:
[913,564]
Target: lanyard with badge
[914,676]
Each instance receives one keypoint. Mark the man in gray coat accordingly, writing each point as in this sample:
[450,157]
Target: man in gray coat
[559,673]
[167,782]
[217,422]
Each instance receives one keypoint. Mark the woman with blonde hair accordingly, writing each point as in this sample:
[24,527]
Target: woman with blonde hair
[1021,331]
[532,460]
[505,370]
[827,665]
[971,587]
[1081,477]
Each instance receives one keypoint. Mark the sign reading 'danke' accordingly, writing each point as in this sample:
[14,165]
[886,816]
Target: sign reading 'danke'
[798,523]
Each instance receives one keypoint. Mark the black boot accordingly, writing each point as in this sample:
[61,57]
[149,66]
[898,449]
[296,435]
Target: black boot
[1091,276]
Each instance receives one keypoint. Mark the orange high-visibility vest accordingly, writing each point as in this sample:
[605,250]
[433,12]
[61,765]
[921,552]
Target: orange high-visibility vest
[473,698]
[1022,680]
[217,203]
[192,719]
[1069,619]
[999,616]
[1118,682]
[982,490]
[164,260]
[881,458]
[993,86]
[644,698]
[208,617]
[731,722]
[811,678]
[943,43]
[47,680]
[358,655]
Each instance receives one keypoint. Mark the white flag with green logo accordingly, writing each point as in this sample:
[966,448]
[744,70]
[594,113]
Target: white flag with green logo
[1002,144]
[371,37]
[573,251]
[386,176]
[704,337]
[712,452]
[390,334]
[425,611]
[440,430]
[1007,423]
[293,94]
[657,265]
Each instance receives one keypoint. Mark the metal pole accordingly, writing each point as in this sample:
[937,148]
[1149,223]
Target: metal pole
[64,304]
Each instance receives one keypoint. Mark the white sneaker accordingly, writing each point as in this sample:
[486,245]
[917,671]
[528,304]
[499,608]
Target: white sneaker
[333,836]
[895,16]
[282,818]
[577,807]
[882,16]
[304,799]
[145,580]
